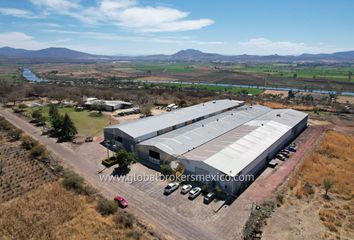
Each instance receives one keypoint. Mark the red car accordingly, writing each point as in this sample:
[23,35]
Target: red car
[121,201]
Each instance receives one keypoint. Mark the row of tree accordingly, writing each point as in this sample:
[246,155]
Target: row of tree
[62,126]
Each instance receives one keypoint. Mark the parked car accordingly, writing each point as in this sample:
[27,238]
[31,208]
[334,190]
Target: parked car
[121,201]
[209,197]
[280,157]
[292,149]
[186,188]
[170,188]
[194,192]
[273,163]
[285,151]
[284,154]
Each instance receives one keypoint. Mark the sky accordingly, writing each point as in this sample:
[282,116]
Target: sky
[142,27]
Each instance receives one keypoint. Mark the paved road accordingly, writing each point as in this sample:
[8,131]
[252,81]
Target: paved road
[164,221]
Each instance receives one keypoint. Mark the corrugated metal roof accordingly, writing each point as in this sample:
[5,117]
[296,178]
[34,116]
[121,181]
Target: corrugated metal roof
[190,137]
[153,124]
[235,157]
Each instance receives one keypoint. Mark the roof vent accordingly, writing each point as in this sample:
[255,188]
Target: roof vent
[202,125]
[217,119]
[262,124]
[214,101]
[232,114]
[278,115]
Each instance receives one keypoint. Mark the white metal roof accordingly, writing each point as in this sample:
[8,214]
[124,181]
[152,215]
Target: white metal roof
[235,157]
[153,124]
[190,137]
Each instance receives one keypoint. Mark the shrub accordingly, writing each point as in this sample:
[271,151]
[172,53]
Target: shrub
[166,169]
[38,151]
[72,181]
[22,106]
[106,207]
[96,114]
[15,134]
[124,219]
[4,124]
[76,183]
[109,162]
[28,142]
[134,235]
[257,219]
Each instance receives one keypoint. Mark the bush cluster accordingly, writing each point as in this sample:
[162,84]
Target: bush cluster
[106,207]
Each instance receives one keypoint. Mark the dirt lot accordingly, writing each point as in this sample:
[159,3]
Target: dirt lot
[277,92]
[306,213]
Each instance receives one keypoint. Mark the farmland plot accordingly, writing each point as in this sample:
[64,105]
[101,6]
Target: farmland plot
[19,172]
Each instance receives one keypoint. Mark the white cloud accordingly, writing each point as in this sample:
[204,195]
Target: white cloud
[264,46]
[159,19]
[20,40]
[128,14]
[56,5]
[15,12]
[144,38]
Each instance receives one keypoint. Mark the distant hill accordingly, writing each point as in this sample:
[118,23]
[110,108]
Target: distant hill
[50,53]
[64,54]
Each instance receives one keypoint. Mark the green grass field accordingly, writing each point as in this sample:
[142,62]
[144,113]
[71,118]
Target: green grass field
[253,91]
[161,67]
[12,77]
[86,125]
[315,72]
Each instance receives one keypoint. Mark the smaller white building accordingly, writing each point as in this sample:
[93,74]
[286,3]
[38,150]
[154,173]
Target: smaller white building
[106,105]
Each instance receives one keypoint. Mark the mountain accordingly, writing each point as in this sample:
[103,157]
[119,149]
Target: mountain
[189,55]
[349,55]
[48,53]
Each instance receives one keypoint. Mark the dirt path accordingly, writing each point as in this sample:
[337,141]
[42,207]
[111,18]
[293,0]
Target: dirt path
[164,221]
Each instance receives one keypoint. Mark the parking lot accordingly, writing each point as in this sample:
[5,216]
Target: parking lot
[194,209]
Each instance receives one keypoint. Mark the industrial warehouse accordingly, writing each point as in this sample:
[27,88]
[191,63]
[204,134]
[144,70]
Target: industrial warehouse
[216,138]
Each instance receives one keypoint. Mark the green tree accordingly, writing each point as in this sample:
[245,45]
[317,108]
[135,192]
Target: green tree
[68,129]
[125,159]
[350,75]
[53,111]
[38,116]
[328,184]
[57,123]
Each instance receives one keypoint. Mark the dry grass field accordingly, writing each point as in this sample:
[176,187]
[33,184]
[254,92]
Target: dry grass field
[52,212]
[305,212]
[35,204]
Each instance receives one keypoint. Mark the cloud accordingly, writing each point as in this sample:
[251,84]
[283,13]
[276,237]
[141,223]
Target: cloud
[144,38]
[56,5]
[15,12]
[20,40]
[265,46]
[159,19]
[128,14]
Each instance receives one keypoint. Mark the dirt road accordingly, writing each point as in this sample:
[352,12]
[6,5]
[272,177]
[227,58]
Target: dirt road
[164,221]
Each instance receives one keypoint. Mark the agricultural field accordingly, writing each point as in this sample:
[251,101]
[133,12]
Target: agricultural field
[20,172]
[35,204]
[316,72]
[87,123]
[10,74]
[162,67]
[305,211]
[253,91]
[322,77]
